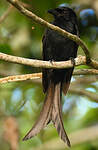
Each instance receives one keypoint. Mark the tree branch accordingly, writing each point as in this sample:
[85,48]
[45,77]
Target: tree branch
[85,80]
[92,96]
[72,89]
[16,78]
[80,60]
[85,72]
[44,23]
[4,16]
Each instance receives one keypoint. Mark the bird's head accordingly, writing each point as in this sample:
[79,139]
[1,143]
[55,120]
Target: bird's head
[63,12]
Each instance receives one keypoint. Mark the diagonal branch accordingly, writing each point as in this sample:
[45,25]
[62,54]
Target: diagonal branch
[87,80]
[4,16]
[80,60]
[92,96]
[44,23]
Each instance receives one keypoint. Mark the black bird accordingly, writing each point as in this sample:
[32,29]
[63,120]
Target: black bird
[56,48]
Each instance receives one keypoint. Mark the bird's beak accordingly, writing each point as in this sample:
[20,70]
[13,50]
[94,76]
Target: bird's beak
[52,11]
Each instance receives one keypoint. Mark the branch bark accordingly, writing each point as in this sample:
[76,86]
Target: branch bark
[72,89]
[86,72]
[44,23]
[17,78]
[80,60]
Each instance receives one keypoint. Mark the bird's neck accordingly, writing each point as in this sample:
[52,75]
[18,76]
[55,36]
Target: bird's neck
[64,24]
[60,22]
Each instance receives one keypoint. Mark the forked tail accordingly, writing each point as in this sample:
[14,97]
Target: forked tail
[51,111]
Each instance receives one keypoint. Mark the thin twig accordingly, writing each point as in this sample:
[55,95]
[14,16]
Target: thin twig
[86,72]
[86,80]
[16,78]
[72,89]
[92,96]
[44,23]
[80,60]
[6,13]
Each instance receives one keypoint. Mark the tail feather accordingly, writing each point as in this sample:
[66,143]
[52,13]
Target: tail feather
[57,115]
[65,87]
[51,111]
[44,117]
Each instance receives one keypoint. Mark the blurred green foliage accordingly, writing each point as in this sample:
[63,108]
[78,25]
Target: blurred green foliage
[24,100]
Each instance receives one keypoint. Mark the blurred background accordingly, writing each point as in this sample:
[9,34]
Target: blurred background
[21,102]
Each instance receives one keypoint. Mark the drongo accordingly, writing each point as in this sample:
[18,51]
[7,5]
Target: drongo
[56,47]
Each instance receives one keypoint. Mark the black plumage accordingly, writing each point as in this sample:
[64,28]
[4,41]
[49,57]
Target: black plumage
[56,48]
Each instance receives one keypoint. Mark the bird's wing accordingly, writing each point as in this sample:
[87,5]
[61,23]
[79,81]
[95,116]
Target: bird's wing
[45,72]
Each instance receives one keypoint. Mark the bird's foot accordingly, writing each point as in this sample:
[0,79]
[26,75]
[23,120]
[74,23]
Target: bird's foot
[72,60]
[51,61]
